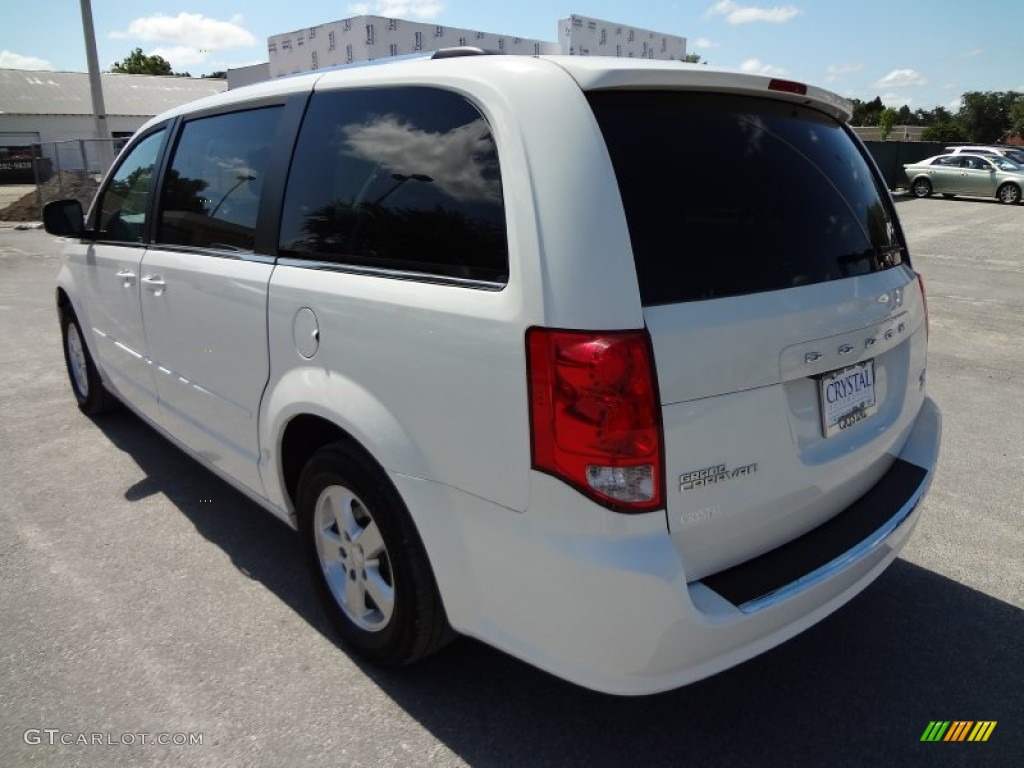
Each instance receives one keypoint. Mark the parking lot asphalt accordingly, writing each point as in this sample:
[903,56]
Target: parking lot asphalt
[141,595]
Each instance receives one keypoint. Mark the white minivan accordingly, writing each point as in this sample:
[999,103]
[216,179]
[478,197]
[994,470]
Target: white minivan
[617,365]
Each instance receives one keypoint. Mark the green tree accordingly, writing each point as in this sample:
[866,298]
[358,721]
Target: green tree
[218,75]
[944,130]
[694,58]
[867,112]
[1017,117]
[905,116]
[886,120]
[138,63]
[985,116]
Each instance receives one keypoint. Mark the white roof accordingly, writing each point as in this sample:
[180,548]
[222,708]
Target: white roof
[589,72]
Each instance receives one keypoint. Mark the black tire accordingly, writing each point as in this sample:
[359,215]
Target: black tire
[86,385]
[921,188]
[1008,193]
[341,477]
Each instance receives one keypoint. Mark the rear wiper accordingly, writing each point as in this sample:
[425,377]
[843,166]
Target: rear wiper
[889,256]
[880,258]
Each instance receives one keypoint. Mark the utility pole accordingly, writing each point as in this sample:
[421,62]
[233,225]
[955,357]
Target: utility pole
[99,112]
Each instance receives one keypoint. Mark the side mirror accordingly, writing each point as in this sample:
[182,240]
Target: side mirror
[64,218]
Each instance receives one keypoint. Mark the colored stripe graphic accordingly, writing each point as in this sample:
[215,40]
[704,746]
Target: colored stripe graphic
[982,730]
[958,730]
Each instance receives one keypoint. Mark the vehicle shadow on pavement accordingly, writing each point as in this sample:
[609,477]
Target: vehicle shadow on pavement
[858,689]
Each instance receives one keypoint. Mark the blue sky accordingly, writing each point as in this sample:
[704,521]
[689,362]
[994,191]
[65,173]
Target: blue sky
[917,52]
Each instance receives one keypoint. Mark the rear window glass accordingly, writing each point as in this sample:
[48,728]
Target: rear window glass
[731,195]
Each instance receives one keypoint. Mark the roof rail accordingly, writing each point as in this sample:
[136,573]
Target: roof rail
[463,50]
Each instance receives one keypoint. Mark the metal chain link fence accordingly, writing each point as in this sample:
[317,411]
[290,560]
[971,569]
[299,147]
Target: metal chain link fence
[73,168]
[61,170]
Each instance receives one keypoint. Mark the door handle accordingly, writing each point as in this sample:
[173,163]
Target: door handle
[155,283]
[127,276]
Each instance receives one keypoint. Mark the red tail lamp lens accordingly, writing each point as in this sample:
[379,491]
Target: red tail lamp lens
[595,416]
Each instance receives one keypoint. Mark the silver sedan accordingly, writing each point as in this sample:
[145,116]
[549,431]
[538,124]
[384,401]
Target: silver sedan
[971,175]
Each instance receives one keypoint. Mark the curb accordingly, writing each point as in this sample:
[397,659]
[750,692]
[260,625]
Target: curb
[21,225]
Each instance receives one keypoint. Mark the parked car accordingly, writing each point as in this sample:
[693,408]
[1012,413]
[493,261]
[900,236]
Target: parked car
[1013,153]
[514,361]
[970,175]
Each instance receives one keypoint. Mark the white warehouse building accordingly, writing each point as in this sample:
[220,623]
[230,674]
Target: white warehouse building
[364,38]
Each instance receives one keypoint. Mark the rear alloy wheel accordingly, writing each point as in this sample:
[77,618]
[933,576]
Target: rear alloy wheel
[366,559]
[921,188]
[1009,193]
[92,397]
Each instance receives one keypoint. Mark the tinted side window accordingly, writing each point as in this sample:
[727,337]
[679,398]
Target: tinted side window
[122,205]
[397,178]
[211,194]
[731,195]
[951,160]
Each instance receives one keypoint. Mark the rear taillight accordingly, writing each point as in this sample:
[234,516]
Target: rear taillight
[594,415]
[924,301]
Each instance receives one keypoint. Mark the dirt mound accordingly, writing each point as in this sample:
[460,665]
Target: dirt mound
[69,184]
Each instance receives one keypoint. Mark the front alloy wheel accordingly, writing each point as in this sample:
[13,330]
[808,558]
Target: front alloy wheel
[90,394]
[922,188]
[78,367]
[1009,194]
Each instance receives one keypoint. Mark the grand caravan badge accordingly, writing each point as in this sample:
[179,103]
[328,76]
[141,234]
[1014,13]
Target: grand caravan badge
[719,473]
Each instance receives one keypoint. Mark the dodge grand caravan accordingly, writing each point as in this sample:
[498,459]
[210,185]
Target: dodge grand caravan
[617,365]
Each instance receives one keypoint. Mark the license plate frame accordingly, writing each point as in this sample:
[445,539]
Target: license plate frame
[847,396]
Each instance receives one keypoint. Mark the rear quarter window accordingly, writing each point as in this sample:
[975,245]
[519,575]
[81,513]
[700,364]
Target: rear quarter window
[731,195]
[404,180]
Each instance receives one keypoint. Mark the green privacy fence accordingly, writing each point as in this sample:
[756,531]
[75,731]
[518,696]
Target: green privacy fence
[891,156]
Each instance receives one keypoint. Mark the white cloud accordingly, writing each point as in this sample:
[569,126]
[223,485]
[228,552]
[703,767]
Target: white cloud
[703,42]
[901,78]
[190,30]
[12,60]
[949,86]
[745,14]
[953,106]
[972,53]
[410,9]
[757,67]
[455,161]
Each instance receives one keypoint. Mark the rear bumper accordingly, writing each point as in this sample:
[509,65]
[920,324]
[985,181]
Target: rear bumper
[602,599]
[853,534]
